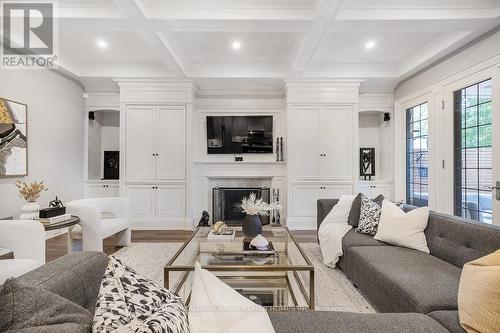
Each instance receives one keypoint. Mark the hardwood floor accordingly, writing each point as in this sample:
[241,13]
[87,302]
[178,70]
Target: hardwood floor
[57,247]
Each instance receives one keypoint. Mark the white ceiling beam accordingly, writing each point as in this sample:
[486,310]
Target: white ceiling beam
[312,39]
[416,13]
[132,9]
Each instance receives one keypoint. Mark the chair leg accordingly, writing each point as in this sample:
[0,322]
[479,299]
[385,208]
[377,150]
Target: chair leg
[124,237]
[76,245]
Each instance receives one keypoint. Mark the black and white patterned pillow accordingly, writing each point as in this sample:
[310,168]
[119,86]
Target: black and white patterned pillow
[129,302]
[369,216]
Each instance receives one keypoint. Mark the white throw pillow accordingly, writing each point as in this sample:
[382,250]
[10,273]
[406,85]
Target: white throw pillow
[404,229]
[216,307]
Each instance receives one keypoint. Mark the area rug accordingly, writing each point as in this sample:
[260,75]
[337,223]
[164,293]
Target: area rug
[334,292]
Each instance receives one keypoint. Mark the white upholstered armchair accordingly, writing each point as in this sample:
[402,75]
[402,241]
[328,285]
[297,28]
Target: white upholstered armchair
[26,239]
[100,218]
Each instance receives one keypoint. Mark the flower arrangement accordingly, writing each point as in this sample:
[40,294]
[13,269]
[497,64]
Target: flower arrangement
[32,191]
[254,206]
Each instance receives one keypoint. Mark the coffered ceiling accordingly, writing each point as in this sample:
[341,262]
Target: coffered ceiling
[368,39]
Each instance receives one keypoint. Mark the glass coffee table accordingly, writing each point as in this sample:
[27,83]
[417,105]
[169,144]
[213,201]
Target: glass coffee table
[274,281]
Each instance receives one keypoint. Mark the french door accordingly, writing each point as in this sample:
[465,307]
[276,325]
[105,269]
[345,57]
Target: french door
[476,153]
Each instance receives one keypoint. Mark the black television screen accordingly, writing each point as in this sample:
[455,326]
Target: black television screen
[240,135]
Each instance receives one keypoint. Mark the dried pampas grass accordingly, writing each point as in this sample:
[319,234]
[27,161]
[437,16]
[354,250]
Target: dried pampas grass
[32,191]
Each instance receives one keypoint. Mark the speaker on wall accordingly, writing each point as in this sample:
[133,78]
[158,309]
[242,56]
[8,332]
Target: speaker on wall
[111,164]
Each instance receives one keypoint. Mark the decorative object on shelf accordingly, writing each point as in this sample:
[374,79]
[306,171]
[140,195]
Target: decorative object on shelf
[13,139]
[219,228]
[367,163]
[254,208]
[111,164]
[238,158]
[30,193]
[387,116]
[259,242]
[56,208]
[276,212]
[205,218]
[277,149]
[281,149]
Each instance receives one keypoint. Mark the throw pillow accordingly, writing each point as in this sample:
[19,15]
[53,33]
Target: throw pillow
[404,229]
[355,211]
[369,216]
[32,308]
[216,307]
[479,294]
[131,303]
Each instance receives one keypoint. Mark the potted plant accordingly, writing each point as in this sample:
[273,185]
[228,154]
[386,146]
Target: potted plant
[30,193]
[254,208]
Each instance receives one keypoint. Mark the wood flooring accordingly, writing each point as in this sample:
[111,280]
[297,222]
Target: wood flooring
[58,246]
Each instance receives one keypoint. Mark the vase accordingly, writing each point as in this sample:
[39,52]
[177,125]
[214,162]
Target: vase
[252,226]
[30,211]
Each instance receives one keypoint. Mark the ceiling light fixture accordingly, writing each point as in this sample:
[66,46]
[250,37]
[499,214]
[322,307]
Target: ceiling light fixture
[370,44]
[236,45]
[102,44]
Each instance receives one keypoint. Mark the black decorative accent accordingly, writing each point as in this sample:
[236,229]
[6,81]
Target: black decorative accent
[205,217]
[367,163]
[91,115]
[238,158]
[387,116]
[111,164]
[252,226]
[281,149]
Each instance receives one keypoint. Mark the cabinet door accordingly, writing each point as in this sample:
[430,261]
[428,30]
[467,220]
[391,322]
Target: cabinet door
[95,191]
[142,200]
[171,201]
[336,143]
[171,143]
[306,136]
[304,199]
[334,191]
[140,142]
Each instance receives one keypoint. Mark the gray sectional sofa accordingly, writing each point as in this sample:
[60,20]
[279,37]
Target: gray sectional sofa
[400,280]
[413,291]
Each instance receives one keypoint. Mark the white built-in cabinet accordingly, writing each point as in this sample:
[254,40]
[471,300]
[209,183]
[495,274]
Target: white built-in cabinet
[102,189]
[156,142]
[157,201]
[321,121]
[155,181]
[322,142]
[373,189]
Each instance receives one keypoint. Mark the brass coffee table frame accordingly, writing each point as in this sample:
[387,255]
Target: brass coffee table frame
[245,268]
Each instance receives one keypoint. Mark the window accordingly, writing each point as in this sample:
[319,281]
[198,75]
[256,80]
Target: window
[473,152]
[417,155]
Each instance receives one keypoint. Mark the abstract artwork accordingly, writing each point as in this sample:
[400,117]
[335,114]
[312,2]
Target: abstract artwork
[367,162]
[13,139]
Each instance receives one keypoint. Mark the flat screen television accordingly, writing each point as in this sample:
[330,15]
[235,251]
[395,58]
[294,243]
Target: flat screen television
[240,135]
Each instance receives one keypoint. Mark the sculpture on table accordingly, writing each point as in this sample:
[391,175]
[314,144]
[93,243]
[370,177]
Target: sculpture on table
[205,218]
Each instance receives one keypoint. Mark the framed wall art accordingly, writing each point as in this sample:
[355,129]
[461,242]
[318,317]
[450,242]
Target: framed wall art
[13,139]
[367,163]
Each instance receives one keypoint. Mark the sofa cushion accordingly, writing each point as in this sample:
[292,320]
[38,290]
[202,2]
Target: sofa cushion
[355,212]
[448,319]
[353,238]
[34,309]
[348,322]
[76,277]
[457,240]
[397,279]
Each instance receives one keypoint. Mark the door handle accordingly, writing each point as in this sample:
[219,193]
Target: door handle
[496,188]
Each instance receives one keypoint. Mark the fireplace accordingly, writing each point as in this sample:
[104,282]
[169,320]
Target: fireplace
[226,203]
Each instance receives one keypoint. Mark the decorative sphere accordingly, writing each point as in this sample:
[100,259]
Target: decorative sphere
[220,227]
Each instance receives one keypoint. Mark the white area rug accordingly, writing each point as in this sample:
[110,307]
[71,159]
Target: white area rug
[334,292]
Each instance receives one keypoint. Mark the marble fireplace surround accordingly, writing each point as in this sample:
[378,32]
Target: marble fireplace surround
[234,174]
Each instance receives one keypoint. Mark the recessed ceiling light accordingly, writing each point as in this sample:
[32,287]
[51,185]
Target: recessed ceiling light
[370,44]
[102,44]
[236,45]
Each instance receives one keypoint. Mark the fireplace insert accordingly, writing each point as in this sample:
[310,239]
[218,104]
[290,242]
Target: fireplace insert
[226,203]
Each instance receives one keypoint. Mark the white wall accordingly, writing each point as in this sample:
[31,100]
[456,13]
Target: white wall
[55,132]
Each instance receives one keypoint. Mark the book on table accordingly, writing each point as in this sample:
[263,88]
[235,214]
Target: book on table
[55,219]
[227,235]
[252,250]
